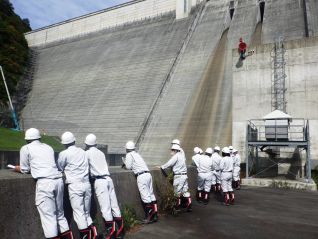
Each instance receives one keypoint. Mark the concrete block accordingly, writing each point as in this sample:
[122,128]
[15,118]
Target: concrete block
[183,8]
[312,17]
[283,18]
[19,217]
[279,183]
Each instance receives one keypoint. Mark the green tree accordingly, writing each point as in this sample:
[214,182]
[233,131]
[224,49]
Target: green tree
[13,47]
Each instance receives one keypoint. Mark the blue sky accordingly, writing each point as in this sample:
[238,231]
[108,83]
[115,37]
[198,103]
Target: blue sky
[45,12]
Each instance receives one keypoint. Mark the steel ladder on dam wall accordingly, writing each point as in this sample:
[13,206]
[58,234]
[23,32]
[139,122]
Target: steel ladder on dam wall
[170,73]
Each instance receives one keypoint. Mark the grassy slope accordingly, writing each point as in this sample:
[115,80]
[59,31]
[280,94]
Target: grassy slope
[314,175]
[13,140]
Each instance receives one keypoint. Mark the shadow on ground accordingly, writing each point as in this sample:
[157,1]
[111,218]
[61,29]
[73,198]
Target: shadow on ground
[258,213]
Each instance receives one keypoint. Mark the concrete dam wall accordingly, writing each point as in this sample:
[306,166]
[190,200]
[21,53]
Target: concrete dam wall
[128,74]
[104,83]
[155,79]
[132,11]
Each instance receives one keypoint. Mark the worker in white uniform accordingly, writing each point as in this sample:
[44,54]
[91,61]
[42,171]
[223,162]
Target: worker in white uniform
[133,161]
[104,189]
[180,180]
[177,142]
[184,201]
[197,154]
[73,162]
[237,169]
[226,167]
[216,177]
[231,150]
[38,158]
[204,168]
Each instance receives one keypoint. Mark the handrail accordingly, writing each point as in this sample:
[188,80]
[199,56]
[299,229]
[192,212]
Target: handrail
[297,130]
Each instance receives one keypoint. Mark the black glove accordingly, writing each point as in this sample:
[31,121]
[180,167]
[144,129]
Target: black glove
[164,172]
[123,165]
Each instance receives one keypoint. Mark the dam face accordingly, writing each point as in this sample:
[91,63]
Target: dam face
[135,72]
[207,124]
[155,70]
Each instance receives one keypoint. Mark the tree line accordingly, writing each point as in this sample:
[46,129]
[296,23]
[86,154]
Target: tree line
[13,51]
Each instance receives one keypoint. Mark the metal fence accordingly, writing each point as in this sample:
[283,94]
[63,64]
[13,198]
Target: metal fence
[297,130]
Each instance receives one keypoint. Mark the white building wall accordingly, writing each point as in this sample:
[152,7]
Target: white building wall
[126,13]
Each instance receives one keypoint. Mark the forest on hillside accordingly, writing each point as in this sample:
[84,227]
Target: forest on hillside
[13,51]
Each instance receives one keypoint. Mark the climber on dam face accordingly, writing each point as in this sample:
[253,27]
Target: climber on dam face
[242,49]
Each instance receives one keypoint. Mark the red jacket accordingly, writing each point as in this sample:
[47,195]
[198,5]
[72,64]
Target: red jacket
[242,46]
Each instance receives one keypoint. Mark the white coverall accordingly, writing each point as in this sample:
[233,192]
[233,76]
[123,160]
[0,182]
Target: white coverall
[237,168]
[38,158]
[104,187]
[180,180]
[204,167]
[135,162]
[226,167]
[216,176]
[74,163]
[195,159]
[182,152]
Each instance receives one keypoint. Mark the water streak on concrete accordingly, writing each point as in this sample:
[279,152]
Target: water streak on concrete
[207,124]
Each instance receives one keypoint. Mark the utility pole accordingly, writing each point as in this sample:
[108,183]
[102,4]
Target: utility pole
[14,116]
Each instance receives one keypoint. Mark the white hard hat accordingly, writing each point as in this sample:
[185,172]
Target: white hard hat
[196,150]
[67,138]
[32,134]
[226,150]
[90,139]
[230,147]
[176,141]
[217,148]
[235,151]
[209,150]
[176,147]
[130,145]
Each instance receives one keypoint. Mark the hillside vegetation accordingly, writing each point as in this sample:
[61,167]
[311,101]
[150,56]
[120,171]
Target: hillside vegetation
[13,52]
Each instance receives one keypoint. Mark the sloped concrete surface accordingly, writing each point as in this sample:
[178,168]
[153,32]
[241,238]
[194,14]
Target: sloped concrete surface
[171,116]
[104,83]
